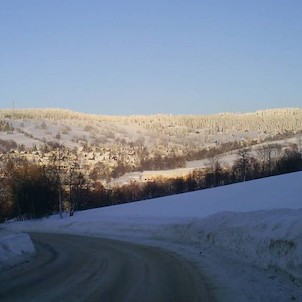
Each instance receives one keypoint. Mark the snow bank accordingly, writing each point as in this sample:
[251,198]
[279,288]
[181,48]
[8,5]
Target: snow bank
[271,238]
[14,248]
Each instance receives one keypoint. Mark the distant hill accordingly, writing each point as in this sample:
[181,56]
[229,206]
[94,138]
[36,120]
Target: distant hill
[110,146]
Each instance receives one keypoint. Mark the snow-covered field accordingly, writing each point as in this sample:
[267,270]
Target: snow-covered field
[246,238]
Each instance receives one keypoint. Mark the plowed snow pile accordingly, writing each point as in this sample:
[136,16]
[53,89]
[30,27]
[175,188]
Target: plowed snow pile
[14,248]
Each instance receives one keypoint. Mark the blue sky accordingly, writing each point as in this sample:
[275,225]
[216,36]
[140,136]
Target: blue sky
[146,57]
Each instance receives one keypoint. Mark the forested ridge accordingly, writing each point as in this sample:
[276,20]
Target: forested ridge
[271,120]
[54,160]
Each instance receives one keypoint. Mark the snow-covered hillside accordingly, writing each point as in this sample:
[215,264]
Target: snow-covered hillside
[246,238]
[106,147]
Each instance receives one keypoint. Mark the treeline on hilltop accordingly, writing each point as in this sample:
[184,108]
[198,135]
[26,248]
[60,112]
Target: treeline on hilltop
[28,190]
[272,120]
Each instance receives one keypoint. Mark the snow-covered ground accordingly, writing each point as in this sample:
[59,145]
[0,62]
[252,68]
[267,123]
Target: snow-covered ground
[14,248]
[246,238]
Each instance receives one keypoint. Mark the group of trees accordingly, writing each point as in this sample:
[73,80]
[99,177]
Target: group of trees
[159,162]
[30,191]
[269,160]
[27,190]
[141,160]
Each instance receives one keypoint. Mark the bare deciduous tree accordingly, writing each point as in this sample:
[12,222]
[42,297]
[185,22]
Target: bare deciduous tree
[213,171]
[243,163]
[267,155]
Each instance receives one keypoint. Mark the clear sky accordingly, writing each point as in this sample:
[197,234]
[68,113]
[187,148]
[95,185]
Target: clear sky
[155,56]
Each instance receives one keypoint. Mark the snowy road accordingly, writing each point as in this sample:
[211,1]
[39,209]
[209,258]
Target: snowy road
[80,268]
